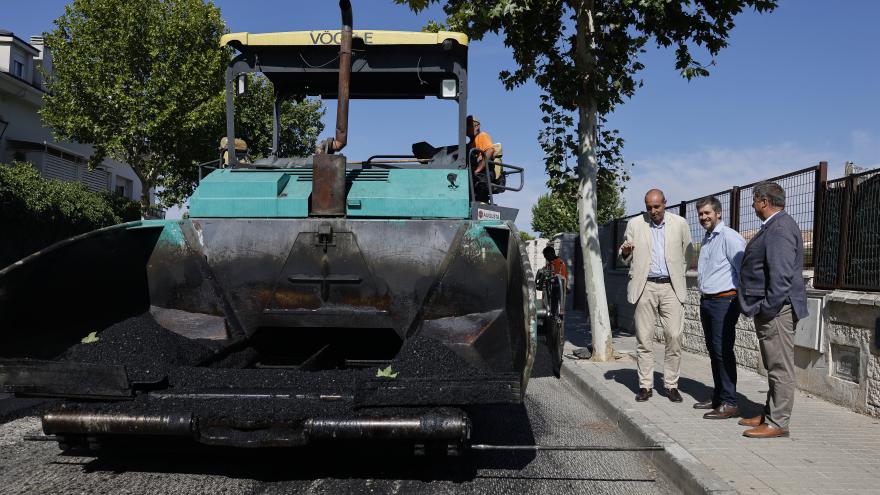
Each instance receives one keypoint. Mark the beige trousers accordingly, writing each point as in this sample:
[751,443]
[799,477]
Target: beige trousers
[658,300]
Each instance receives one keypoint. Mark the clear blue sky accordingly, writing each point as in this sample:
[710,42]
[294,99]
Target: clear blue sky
[794,87]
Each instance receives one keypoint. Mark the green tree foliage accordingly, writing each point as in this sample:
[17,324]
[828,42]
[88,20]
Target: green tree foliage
[559,142]
[584,55]
[142,81]
[611,203]
[543,36]
[35,212]
[525,236]
[557,211]
[554,213]
[300,121]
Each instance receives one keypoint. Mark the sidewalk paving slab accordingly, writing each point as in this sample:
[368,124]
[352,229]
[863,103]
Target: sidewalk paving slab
[831,449]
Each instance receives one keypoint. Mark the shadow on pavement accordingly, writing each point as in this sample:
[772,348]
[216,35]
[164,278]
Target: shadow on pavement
[542,366]
[577,329]
[699,391]
[12,408]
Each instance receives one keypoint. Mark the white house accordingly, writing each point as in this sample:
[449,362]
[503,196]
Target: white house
[23,136]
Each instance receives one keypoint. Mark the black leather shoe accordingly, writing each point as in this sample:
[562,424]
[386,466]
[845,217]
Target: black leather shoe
[673,395]
[706,404]
[644,394]
[724,411]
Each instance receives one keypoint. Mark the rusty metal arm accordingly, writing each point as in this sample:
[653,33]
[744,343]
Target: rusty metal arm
[331,145]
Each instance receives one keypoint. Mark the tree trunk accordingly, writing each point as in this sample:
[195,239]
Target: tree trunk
[588,168]
[146,184]
[145,196]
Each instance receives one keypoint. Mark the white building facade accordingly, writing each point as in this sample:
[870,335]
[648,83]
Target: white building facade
[23,135]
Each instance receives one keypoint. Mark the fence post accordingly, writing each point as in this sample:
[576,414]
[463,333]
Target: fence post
[615,227]
[844,231]
[682,209]
[818,212]
[734,208]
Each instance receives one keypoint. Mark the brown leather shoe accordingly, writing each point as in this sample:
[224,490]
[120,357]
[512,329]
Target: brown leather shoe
[673,395]
[765,431]
[706,404]
[752,422]
[724,411]
[644,394]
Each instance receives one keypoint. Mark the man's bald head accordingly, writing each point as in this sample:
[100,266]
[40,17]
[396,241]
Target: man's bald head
[655,194]
[655,205]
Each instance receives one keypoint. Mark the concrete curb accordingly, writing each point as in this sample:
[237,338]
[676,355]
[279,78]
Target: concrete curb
[683,469]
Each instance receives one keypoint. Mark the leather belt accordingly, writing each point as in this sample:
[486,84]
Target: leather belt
[660,280]
[720,294]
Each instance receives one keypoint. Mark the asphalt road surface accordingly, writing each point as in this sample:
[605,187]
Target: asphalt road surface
[553,414]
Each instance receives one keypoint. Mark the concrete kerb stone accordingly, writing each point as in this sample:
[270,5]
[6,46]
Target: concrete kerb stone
[688,473]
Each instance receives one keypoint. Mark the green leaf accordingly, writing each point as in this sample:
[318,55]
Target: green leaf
[90,338]
[386,373]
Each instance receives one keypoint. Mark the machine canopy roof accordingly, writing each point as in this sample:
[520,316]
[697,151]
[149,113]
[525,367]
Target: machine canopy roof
[385,64]
[331,37]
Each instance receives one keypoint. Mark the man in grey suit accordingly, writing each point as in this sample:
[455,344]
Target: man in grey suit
[772,291]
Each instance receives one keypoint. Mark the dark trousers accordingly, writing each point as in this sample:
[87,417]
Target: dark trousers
[719,317]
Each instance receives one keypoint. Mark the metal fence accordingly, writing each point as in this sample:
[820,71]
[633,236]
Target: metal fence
[803,198]
[849,233]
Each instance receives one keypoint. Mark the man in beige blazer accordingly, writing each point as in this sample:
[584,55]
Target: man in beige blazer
[656,248]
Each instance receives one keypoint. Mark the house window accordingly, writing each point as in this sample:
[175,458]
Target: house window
[18,69]
[124,187]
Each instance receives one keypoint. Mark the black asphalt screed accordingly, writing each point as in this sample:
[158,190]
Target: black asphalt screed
[192,379]
[145,348]
[425,357]
[236,395]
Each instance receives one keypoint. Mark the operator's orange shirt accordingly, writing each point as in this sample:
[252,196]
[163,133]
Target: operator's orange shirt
[482,141]
[559,268]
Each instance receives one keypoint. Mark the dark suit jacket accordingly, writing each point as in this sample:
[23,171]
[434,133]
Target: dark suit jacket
[772,270]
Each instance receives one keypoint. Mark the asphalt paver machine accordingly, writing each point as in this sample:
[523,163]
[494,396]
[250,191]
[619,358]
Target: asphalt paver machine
[305,299]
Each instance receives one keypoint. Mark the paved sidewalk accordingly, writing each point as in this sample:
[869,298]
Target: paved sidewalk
[831,450]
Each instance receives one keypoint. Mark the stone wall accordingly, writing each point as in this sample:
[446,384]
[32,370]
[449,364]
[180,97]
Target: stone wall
[850,344]
[746,345]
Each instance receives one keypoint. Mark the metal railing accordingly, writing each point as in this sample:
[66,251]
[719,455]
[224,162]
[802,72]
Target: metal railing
[848,256]
[492,187]
[154,212]
[803,202]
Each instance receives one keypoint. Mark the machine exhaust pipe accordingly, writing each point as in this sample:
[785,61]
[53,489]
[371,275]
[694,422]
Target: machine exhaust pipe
[344,77]
[331,145]
[328,170]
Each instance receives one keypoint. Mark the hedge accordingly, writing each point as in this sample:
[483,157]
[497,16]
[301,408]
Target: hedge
[35,213]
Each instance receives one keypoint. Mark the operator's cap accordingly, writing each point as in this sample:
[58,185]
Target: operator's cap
[473,118]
